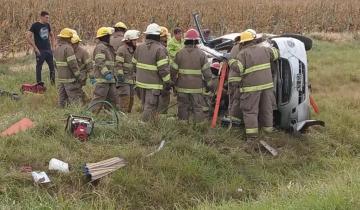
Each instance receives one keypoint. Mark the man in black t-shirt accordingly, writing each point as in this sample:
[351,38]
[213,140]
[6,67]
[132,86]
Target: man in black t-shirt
[42,39]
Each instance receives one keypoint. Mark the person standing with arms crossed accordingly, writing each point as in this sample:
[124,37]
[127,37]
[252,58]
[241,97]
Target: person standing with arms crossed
[42,40]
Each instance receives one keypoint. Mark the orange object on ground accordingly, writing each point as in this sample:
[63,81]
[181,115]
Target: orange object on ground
[314,105]
[22,125]
[223,72]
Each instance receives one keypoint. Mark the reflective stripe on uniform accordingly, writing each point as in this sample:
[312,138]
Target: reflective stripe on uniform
[100,56]
[149,86]
[251,130]
[241,67]
[119,59]
[190,71]
[133,60]
[175,66]
[61,64]
[129,81]
[231,61]
[276,53]
[71,58]
[147,66]
[166,78]
[234,79]
[256,88]
[162,62]
[104,70]
[188,90]
[110,63]
[260,67]
[205,109]
[66,80]
[268,129]
[128,65]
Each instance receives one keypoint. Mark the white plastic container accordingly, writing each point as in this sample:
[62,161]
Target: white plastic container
[58,165]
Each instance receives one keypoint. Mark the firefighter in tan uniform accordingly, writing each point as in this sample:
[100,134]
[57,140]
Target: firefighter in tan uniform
[124,56]
[104,71]
[117,37]
[152,71]
[69,88]
[257,98]
[191,72]
[234,79]
[83,58]
[164,100]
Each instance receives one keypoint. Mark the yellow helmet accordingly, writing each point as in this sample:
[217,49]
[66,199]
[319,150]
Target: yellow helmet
[103,31]
[75,39]
[164,32]
[247,36]
[120,25]
[66,33]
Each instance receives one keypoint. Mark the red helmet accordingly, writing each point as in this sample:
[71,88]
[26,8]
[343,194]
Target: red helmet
[192,34]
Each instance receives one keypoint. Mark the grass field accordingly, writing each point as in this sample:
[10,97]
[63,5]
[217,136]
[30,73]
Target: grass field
[199,168]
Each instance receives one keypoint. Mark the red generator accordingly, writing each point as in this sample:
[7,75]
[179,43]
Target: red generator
[33,88]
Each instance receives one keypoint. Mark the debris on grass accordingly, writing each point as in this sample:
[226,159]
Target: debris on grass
[19,126]
[58,165]
[40,177]
[161,146]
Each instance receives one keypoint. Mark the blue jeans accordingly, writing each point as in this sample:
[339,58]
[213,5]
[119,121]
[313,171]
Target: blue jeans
[45,55]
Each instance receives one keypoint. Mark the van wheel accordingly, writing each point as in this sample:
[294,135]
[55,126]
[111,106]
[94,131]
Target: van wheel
[306,40]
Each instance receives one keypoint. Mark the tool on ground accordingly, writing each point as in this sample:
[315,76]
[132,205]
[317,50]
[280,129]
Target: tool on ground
[33,88]
[13,96]
[80,127]
[100,169]
[19,126]
[269,148]
[223,72]
[58,165]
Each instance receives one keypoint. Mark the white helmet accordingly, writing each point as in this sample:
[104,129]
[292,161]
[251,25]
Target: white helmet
[153,29]
[131,35]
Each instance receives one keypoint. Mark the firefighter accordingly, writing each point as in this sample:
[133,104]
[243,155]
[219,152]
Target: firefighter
[124,57]
[176,43]
[164,100]
[234,87]
[152,71]
[234,79]
[83,58]
[68,70]
[117,37]
[257,98]
[104,71]
[191,71]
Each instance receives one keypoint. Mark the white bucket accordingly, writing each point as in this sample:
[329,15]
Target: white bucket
[58,165]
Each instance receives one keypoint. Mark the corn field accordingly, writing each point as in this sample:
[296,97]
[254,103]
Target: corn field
[221,16]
